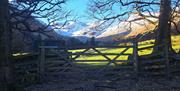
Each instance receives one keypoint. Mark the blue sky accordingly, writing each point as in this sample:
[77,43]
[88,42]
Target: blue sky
[79,8]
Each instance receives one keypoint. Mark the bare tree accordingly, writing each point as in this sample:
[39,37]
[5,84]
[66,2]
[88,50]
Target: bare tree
[36,17]
[164,25]
[15,16]
[6,79]
[120,10]
[48,11]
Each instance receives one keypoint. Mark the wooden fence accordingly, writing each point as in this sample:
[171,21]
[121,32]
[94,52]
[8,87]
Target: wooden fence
[57,60]
[71,58]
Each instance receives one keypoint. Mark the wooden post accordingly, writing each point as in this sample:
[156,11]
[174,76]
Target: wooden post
[92,41]
[135,57]
[167,60]
[7,81]
[41,62]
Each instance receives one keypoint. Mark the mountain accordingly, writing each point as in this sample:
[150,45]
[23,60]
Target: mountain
[133,26]
[84,31]
[79,30]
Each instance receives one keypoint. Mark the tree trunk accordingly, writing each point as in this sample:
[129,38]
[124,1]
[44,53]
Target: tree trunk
[6,76]
[163,33]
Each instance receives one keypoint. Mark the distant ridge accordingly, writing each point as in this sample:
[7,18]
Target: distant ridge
[120,31]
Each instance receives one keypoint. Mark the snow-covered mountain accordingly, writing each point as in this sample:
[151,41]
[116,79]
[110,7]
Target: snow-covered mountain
[126,29]
[79,30]
[84,31]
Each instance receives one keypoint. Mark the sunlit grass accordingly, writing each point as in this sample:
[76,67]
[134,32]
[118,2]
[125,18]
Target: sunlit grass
[175,45]
[93,63]
[19,54]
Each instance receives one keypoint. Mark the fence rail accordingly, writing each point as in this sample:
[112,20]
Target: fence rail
[59,59]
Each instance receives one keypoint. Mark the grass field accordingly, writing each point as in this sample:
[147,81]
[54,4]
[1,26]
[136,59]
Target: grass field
[175,44]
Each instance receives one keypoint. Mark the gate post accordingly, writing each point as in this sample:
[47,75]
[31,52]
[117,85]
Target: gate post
[167,60]
[135,57]
[41,62]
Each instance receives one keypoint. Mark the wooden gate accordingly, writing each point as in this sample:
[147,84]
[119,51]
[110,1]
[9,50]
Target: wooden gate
[61,60]
[81,60]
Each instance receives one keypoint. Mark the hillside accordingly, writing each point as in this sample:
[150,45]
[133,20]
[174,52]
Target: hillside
[116,32]
[124,29]
[27,32]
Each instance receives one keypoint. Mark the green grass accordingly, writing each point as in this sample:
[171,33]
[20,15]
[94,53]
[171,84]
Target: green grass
[19,54]
[175,44]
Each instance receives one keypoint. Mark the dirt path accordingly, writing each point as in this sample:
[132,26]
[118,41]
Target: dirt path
[92,81]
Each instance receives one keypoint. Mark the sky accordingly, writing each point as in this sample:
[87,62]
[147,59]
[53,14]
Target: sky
[79,8]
